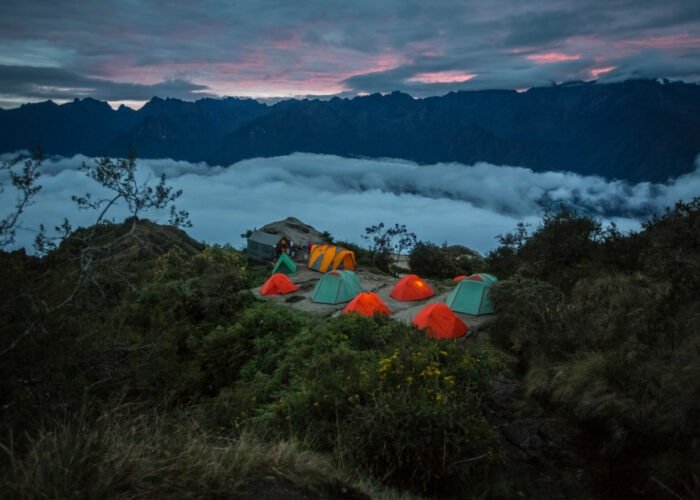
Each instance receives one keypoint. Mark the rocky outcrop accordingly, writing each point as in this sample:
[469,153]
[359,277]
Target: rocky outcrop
[295,230]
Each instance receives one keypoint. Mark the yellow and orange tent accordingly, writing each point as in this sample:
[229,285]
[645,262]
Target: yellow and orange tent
[440,322]
[278,284]
[367,304]
[411,287]
[324,258]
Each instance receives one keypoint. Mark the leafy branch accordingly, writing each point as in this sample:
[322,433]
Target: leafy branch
[24,180]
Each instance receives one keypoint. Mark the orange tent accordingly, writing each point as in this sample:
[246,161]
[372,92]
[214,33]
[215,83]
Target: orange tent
[278,284]
[324,258]
[367,304]
[440,322]
[411,287]
[460,277]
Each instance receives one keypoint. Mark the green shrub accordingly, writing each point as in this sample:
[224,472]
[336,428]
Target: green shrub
[422,427]
[431,261]
[533,317]
[201,291]
[565,248]
[255,343]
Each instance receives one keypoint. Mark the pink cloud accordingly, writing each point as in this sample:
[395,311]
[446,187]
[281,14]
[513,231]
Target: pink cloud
[320,74]
[670,42]
[442,77]
[292,42]
[596,72]
[275,87]
[625,47]
[552,57]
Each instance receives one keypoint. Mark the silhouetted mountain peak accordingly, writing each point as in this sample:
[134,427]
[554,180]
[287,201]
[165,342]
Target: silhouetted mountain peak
[633,130]
[88,103]
[39,105]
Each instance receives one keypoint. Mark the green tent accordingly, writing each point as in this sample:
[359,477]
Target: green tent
[471,297]
[336,287]
[489,279]
[285,265]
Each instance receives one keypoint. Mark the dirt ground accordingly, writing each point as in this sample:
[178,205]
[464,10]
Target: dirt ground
[306,280]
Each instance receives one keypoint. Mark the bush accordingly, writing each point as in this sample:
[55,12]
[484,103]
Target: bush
[430,261]
[532,320]
[190,294]
[563,249]
[423,426]
[373,391]
[253,344]
[615,356]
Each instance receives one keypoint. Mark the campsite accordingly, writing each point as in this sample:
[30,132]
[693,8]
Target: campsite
[182,358]
[306,280]
[325,278]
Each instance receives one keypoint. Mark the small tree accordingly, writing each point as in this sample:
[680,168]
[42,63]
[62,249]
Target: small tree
[119,178]
[387,240]
[93,244]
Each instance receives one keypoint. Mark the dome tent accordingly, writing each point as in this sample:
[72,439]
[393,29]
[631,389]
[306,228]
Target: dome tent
[285,265]
[324,258]
[336,287]
[440,322]
[489,278]
[483,277]
[367,304]
[411,287]
[278,284]
[471,296]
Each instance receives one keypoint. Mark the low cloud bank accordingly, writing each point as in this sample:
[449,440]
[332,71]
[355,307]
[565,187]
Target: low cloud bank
[450,202]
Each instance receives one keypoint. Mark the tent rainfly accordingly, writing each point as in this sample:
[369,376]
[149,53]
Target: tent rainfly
[411,287]
[483,277]
[367,304]
[489,278]
[471,296]
[324,258]
[285,265]
[440,322]
[336,287]
[278,284]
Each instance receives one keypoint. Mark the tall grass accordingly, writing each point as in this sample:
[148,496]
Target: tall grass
[123,455]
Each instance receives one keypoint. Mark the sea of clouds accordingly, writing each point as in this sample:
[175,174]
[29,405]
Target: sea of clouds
[446,202]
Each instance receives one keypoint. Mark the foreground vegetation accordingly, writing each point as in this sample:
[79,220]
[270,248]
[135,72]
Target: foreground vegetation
[163,376]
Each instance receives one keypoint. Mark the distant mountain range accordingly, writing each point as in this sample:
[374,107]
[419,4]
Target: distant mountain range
[635,130]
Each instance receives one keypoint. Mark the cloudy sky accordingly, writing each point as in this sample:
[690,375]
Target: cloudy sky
[129,50]
[460,204]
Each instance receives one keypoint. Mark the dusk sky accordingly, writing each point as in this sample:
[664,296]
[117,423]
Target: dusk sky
[130,50]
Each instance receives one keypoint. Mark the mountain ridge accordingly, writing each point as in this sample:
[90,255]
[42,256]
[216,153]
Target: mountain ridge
[637,130]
